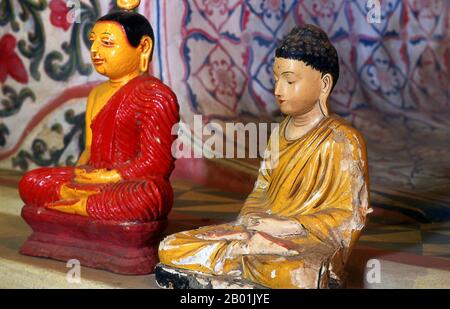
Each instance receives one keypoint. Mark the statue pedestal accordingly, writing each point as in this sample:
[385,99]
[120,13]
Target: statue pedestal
[124,248]
[175,278]
[169,277]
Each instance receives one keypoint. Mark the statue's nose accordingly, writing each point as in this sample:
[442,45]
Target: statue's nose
[94,48]
[277,90]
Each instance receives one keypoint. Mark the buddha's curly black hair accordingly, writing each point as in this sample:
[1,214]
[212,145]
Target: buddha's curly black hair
[310,44]
[135,25]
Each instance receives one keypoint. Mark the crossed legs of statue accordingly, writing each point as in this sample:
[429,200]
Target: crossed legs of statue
[53,188]
[237,251]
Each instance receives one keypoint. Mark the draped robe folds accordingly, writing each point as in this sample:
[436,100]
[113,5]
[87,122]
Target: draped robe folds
[131,134]
[321,182]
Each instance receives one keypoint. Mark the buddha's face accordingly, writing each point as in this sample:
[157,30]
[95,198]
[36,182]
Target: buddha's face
[298,87]
[111,53]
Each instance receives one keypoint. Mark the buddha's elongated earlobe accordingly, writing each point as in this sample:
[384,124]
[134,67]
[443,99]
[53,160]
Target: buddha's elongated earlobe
[143,63]
[146,46]
[324,107]
[327,85]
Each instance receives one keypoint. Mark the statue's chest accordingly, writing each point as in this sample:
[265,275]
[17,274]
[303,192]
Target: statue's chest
[101,99]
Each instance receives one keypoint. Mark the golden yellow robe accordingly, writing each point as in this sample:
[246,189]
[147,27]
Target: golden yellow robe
[321,181]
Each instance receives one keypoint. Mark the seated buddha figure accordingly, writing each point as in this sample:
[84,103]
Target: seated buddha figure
[123,173]
[298,226]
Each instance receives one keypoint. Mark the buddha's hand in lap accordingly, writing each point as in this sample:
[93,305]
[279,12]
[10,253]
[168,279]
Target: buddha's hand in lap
[221,233]
[278,227]
[263,243]
[247,219]
[98,176]
[76,207]
[67,192]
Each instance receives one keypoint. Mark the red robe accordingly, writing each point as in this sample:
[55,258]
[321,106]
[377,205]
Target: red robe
[131,134]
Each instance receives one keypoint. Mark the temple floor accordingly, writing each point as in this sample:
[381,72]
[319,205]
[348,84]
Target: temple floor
[411,254]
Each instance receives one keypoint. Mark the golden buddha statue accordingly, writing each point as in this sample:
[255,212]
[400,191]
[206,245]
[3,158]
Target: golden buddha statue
[122,176]
[298,226]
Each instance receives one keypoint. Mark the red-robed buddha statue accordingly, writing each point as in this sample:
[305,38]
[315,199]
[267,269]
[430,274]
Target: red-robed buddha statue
[122,177]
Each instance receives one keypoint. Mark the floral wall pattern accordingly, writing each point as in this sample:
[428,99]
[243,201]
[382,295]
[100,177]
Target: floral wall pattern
[45,74]
[217,55]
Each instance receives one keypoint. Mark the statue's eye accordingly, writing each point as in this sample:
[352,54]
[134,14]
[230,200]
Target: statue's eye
[107,43]
[291,80]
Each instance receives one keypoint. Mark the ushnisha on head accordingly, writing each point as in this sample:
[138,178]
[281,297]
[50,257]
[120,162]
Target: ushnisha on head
[306,69]
[128,4]
[122,44]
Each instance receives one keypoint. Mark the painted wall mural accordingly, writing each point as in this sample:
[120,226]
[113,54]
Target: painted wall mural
[45,75]
[217,55]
